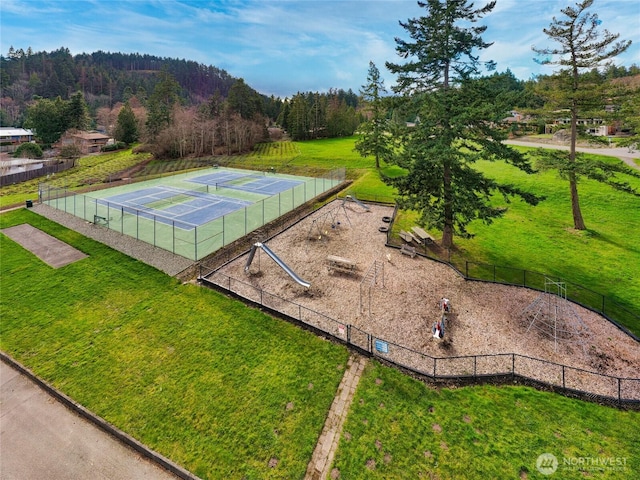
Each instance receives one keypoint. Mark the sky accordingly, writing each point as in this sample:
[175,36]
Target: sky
[281,47]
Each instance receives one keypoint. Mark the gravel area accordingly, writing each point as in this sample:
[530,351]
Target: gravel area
[402,306]
[145,252]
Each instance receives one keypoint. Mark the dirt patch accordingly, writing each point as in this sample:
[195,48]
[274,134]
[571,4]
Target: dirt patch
[395,297]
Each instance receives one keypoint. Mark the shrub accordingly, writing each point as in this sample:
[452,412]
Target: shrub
[28,150]
[70,151]
[112,147]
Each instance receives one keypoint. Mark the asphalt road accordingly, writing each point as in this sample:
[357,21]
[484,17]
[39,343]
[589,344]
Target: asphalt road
[624,154]
[41,438]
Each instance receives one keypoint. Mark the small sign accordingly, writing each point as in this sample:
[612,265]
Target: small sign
[382,347]
[341,329]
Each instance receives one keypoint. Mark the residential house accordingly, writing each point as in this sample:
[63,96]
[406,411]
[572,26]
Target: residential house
[11,138]
[87,142]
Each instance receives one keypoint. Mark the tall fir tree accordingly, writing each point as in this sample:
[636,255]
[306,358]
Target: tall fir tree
[374,134]
[454,121]
[582,47]
[126,126]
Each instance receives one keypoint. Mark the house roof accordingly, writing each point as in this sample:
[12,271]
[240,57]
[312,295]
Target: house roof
[14,132]
[91,136]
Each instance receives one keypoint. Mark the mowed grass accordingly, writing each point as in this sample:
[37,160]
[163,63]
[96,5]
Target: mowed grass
[605,258]
[223,389]
[220,388]
[88,170]
[399,428]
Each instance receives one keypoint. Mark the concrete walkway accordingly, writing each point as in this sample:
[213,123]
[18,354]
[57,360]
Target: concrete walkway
[325,450]
[41,438]
[624,154]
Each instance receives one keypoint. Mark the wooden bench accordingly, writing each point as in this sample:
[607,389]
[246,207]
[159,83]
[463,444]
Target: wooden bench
[422,235]
[408,250]
[407,237]
[342,264]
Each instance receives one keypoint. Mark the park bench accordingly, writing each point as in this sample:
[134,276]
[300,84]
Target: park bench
[423,236]
[408,250]
[407,237]
[341,264]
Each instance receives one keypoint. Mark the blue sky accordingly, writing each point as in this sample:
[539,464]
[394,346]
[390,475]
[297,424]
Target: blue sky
[281,47]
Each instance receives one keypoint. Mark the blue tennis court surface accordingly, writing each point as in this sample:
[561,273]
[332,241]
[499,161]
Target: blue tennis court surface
[194,213]
[261,184]
[184,208]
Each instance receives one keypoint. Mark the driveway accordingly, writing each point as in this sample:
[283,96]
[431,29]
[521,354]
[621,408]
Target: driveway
[624,154]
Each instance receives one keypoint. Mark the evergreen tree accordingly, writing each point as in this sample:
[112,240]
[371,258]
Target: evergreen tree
[453,128]
[582,47]
[298,119]
[374,133]
[244,100]
[126,127]
[161,102]
[77,113]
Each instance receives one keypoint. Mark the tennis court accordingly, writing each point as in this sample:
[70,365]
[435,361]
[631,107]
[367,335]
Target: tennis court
[196,213]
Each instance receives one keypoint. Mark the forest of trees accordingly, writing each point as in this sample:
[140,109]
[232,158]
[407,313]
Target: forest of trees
[223,113]
[157,91]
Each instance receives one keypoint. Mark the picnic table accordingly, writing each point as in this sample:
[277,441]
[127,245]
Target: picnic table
[406,236]
[422,235]
[339,263]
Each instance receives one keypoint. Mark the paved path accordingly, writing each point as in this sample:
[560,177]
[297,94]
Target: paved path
[622,153]
[325,450]
[40,438]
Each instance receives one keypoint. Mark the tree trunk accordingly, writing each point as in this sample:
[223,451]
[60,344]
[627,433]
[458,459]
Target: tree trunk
[447,231]
[578,222]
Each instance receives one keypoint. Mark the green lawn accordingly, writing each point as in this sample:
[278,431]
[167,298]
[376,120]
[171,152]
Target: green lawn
[398,428]
[217,387]
[89,170]
[223,389]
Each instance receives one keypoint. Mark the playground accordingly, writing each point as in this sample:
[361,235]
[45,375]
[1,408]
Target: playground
[335,262]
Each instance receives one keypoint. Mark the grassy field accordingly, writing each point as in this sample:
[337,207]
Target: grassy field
[398,428]
[223,389]
[539,239]
[219,388]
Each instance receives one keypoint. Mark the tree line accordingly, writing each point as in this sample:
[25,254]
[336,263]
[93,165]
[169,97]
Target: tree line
[457,110]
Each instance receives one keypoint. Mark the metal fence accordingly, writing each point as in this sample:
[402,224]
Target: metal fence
[617,314]
[179,237]
[571,381]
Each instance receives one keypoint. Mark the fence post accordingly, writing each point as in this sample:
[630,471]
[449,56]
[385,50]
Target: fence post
[475,362]
[349,333]
[466,268]
[513,366]
[563,385]
[435,360]
[619,390]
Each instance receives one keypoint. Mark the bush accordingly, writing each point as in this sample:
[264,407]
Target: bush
[112,147]
[70,151]
[28,150]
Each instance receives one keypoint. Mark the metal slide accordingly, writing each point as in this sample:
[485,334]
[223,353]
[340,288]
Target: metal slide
[276,259]
[354,199]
